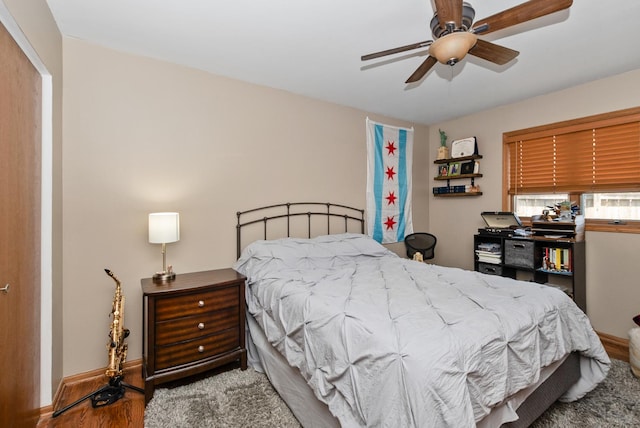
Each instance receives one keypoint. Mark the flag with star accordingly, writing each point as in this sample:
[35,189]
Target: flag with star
[389,161]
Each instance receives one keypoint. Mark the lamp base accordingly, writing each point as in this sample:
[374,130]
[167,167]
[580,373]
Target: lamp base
[164,276]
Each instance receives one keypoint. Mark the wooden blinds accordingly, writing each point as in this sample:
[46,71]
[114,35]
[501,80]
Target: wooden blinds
[601,153]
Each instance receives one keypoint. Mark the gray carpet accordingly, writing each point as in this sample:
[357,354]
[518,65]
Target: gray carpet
[231,399]
[613,403]
[246,399]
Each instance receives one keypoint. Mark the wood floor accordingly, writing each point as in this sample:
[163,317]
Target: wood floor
[126,412]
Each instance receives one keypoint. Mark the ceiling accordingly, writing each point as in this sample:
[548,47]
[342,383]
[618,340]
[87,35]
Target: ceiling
[313,48]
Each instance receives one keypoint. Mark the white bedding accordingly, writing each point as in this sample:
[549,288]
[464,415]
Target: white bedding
[386,341]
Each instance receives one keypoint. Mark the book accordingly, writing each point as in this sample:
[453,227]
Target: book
[489,252]
[489,246]
[489,260]
[557,259]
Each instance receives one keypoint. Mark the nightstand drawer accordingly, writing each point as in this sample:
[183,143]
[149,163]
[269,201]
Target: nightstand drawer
[197,303]
[191,327]
[192,324]
[188,352]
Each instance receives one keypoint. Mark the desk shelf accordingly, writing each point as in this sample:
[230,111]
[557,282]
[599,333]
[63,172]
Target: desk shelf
[522,257]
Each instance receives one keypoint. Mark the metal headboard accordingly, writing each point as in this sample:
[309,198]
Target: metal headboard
[297,209]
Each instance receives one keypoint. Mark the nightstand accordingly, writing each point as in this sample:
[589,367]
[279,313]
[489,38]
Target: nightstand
[192,324]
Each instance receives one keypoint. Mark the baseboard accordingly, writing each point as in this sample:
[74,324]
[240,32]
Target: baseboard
[130,368]
[616,347]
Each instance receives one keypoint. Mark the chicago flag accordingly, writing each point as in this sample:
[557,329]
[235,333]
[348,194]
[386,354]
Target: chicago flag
[389,160]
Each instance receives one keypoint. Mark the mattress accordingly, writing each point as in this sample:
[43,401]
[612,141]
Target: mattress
[519,410]
[385,341]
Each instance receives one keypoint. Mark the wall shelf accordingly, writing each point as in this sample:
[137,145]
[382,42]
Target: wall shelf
[461,159]
[456,177]
[455,191]
[448,195]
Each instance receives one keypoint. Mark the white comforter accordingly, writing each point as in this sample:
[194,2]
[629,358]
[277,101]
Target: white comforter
[389,342]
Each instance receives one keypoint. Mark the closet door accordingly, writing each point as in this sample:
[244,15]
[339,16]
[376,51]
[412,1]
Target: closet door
[20,169]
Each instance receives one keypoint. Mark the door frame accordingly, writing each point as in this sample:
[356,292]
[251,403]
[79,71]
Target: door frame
[46,215]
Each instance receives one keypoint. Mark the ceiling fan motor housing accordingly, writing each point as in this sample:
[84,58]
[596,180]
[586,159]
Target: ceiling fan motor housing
[468,14]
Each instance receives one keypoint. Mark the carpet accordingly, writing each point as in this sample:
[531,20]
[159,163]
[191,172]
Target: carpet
[615,402]
[237,398]
[246,399]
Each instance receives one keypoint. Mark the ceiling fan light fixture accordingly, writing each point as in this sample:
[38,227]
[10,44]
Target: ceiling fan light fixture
[451,48]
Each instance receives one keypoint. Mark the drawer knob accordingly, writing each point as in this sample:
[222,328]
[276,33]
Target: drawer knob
[201,326]
[200,303]
[200,348]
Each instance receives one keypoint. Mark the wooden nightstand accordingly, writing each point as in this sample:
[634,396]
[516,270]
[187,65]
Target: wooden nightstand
[191,325]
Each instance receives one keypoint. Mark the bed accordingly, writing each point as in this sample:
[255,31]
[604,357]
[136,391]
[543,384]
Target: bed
[350,334]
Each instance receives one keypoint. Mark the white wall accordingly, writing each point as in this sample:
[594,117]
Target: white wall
[143,135]
[613,295]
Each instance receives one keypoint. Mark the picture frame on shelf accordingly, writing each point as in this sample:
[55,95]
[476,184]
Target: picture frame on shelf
[443,171]
[454,169]
[467,167]
[464,147]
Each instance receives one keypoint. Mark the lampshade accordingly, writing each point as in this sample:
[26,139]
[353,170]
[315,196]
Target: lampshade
[451,48]
[164,228]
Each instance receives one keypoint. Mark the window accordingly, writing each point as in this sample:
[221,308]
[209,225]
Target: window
[593,161]
[534,204]
[611,206]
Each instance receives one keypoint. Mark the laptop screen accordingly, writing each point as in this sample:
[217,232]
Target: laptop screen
[501,220]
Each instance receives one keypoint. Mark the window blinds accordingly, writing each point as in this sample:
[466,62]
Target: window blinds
[600,156]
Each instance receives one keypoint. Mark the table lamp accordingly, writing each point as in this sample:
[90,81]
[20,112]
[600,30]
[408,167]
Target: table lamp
[164,228]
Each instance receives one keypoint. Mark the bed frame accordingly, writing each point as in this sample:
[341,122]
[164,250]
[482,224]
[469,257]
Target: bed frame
[286,212]
[349,219]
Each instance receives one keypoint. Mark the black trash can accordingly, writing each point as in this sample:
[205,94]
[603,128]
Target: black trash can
[424,243]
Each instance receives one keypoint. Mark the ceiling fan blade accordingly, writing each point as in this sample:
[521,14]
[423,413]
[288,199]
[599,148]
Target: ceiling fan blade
[396,50]
[491,52]
[422,70]
[523,12]
[449,11]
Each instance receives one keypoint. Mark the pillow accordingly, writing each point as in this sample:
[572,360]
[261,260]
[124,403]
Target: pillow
[290,252]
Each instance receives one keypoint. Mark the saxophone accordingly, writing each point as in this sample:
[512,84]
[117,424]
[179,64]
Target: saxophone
[114,391]
[116,346]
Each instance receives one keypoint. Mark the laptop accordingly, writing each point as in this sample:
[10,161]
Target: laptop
[501,220]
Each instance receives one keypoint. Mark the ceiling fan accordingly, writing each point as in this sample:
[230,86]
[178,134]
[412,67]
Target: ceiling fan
[455,33]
